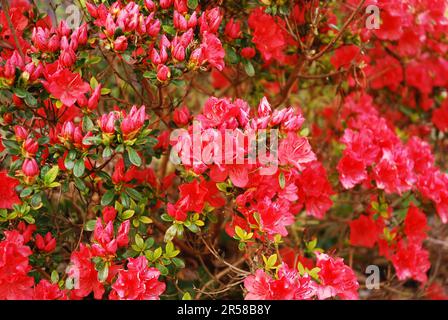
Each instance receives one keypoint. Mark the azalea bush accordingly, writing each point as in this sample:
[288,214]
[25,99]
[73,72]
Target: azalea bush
[189,149]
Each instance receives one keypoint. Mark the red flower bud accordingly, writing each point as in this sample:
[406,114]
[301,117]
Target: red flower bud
[121,43]
[179,21]
[248,53]
[109,214]
[165,4]
[17,101]
[181,116]
[193,21]
[21,133]
[68,129]
[181,6]
[93,100]
[233,29]
[163,73]
[47,244]
[150,5]
[30,168]
[107,123]
[30,148]
[7,117]
[179,52]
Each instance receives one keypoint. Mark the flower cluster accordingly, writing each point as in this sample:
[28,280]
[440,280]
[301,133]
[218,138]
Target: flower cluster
[332,279]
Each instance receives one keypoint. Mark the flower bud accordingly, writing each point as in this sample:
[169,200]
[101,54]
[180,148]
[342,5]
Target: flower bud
[30,148]
[121,43]
[30,168]
[179,52]
[165,4]
[163,73]
[179,21]
[149,4]
[181,116]
[109,214]
[248,53]
[233,29]
[92,104]
[47,243]
[21,133]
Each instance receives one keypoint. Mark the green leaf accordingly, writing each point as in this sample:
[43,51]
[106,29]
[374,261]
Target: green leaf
[249,68]
[169,29]
[179,263]
[281,180]
[54,276]
[108,197]
[107,152]
[90,225]
[139,241]
[192,4]
[87,124]
[186,296]
[51,175]
[79,168]
[93,83]
[105,91]
[29,219]
[103,274]
[127,214]
[21,93]
[26,192]
[134,157]
[163,270]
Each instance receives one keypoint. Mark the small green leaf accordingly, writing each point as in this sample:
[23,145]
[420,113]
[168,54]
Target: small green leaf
[192,4]
[127,214]
[90,225]
[134,157]
[51,175]
[249,68]
[79,168]
[186,296]
[139,241]
[281,180]
[108,197]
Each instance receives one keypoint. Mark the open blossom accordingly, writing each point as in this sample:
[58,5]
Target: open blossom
[15,283]
[212,51]
[296,151]
[364,232]
[66,86]
[337,279]
[8,194]
[411,261]
[45,290]
[82,272]
[137,282]
[288,286]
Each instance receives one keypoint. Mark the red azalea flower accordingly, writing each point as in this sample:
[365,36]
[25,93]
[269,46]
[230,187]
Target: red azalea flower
[364,232]
[337,279]
[66,86]
[8,195]
[138,282]
[15,284]
[415,224]
[345,56]
[411,261]
[45,290]
[85,277]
